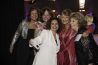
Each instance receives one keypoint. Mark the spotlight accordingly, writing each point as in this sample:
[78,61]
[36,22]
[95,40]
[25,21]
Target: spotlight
[53,10]
[81,4]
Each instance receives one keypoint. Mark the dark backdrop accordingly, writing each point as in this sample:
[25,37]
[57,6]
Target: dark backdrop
[12,13]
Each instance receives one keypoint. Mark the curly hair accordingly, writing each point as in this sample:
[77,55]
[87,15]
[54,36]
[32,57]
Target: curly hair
[80,17]
[43,11]
[29,13]
[48,25]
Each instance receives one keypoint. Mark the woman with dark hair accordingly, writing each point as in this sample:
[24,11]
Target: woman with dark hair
[23,55]
[46,14]
[48,44]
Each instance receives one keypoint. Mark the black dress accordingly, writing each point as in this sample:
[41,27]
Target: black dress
[23,54]
[86,55]
[82,49]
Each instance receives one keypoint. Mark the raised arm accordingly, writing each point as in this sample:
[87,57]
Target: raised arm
[38,40]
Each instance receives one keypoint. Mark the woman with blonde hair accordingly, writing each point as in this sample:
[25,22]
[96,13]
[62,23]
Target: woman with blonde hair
[85,46]
[67,53]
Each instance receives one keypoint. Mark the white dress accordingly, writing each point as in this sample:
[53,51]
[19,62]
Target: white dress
[47,54]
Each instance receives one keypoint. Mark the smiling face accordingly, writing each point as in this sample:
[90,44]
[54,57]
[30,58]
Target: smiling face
[46,16]
[74,23]
[54,25]
[34,15]
[65,19]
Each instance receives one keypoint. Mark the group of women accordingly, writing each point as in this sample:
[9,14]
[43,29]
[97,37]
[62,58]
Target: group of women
[44,39]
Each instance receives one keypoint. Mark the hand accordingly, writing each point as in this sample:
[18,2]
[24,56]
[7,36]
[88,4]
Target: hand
[84,34]
[11,49]
[33,45]
[35,49]
[30,42]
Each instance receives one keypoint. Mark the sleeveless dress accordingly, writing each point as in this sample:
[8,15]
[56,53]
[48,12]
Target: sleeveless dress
[23,54]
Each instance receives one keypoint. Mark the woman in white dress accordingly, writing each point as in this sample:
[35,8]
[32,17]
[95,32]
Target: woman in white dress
[47,43]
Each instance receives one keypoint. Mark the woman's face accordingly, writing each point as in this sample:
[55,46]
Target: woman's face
[65,19]
[46,16]
[74,23]
[54,25]
[34,15]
